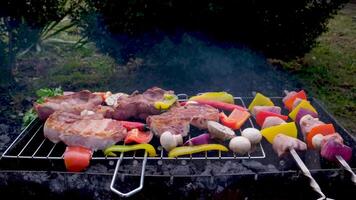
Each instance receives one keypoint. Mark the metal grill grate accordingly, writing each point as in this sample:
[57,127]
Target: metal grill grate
[31,144]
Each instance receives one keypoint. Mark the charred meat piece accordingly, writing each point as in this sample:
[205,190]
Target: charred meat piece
[178,119]
[139,106]
[283,143]
[91,131]
[72,102]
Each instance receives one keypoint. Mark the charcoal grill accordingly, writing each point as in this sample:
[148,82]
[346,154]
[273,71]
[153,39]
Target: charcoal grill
[32,148]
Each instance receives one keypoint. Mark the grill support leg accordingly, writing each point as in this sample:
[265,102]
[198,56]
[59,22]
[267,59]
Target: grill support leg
[142,177]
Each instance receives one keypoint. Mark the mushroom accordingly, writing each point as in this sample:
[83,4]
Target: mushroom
[219,131]
[169,141]
[253,135]
[240,145]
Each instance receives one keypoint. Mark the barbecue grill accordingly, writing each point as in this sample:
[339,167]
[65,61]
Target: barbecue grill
[31,151]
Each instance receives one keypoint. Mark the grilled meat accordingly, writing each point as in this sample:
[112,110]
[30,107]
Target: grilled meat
[139,106]
[283,143]
[178,119]
[72,102]
[90,130]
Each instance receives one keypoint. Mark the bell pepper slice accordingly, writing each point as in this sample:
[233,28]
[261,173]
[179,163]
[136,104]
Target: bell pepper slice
[235,120]
[76,159]
[125,148]
[221,105]
[214,96]
[262,115]
[168,101]
[303,104]
[138,136]
[260,100]
[324,129]
[134,125]
[289,102]
[186,150]
[289,129]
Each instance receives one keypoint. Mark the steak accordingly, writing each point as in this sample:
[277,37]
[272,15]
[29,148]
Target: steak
[139,106]
[178,119]
[91,131]
[70,102]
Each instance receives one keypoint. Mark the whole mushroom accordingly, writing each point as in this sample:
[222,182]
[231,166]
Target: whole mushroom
[240,145]
[253,135]
[170,141]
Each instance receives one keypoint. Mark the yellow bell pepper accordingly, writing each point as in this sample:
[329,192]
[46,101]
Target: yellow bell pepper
[215,96]
[303,104]
[289,129]
[186,150]
[260,100]
[125,148]
[168,101]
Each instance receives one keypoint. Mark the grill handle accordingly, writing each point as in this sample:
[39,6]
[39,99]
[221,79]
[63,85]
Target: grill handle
[142,177]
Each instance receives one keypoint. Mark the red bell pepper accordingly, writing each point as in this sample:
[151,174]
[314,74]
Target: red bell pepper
[221,105]
[262,115]
[132,125]
[138,136]
[76,159]
[235,120]
[289,102]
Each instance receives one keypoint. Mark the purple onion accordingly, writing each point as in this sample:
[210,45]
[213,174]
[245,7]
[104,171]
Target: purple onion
[302,112]
[331,149]
[198,140]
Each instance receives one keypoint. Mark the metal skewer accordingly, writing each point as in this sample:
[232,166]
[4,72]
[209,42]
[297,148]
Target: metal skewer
[307,173]
[347,168]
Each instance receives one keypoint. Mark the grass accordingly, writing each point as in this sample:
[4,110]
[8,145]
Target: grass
[329,70]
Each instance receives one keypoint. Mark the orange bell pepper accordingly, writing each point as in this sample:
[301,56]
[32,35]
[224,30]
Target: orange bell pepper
[324,129]
[235,120]
[289,102]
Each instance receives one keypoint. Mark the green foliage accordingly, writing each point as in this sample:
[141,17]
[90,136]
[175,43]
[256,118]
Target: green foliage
[30,115]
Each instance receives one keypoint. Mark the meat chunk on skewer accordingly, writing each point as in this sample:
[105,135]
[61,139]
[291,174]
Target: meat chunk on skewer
[282,144]
[307,123]
[272,121]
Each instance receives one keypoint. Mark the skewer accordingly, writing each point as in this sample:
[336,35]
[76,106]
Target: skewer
[307,173]
[347,167]
[341,160]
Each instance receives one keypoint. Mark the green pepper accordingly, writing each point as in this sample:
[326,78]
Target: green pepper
[125,148]
[184,150]
[168,101]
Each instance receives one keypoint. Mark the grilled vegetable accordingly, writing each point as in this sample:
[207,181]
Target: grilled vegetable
[126,148]
[76,159]
[289,101]
[252,134]
[186,150]
[303,104]
[221,105]
[235,120]
[240,145]
[170,141]
[288,129]
[260,100]
[168,101]
[323,129]
[138,136]
[302,112]
[134,125]
[332,148]
[262,115]
[215,96]
[198,140]
[219,131]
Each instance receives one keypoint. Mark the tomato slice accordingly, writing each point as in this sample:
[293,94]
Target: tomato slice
[76,159]
[235,120]
[324,129]
[138,136]
[262,115]
[289,102]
